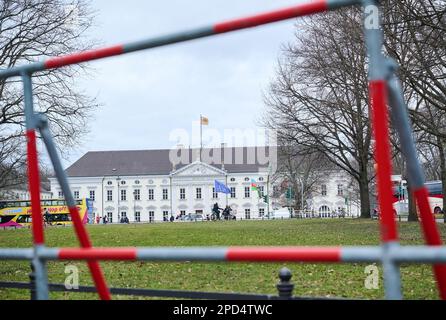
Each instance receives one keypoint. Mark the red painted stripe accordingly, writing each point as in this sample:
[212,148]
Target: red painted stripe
[58,62]
[274,16]
[34,188]
[115,254]
[95,269]
[431,235]
[284,254]
[380,119]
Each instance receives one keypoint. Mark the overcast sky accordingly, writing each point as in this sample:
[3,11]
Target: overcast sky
[145,96]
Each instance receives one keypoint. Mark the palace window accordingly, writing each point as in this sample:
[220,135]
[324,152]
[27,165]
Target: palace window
[123,195]
[110,217]
[261,212]
[340,190]
[182,194]
[137,216]
[137,194]
[247,192]
[151,194]
[151,216]
[324,211]
[165,194]
[109,195]
[324,189]
[214,194]
[247,214]
[76,194]
[233,193]
[92,195]
[262,190]
[198,193]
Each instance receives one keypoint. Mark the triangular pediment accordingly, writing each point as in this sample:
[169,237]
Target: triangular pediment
[198,169]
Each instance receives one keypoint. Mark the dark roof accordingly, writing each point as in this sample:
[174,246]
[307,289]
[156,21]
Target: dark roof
[153,162]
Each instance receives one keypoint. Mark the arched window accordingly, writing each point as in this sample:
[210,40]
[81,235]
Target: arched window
[324,211]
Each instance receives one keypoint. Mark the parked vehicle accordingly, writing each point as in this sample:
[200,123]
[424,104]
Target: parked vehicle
[282,213]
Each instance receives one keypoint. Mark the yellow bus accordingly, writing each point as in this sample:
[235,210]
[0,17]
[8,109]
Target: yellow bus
[18,213]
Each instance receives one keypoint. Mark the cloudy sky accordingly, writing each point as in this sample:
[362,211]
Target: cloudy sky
[147,96]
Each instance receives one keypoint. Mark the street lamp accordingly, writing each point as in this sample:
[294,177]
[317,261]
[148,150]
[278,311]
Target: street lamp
[302,192]
[118,180]
[134,205]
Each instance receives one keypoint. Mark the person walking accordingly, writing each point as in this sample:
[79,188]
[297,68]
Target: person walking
[216,211]
[46,217]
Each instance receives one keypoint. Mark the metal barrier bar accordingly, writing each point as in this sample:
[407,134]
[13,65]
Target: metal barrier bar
[79,228]
[374,38]
[178,294]
[16,254]
[215,29]
[33,162]
[40,271]
[361,254]
[416,177]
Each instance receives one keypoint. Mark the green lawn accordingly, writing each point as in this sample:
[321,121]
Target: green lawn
[310,279]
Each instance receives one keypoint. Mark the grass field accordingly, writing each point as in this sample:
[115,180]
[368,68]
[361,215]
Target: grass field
[310,279]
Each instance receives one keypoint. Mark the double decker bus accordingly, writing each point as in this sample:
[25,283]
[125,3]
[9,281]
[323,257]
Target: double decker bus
[18,213]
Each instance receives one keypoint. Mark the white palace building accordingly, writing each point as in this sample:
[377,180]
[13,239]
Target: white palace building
[153,185]
[147,186]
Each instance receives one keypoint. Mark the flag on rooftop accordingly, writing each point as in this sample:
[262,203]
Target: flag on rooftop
[204,121]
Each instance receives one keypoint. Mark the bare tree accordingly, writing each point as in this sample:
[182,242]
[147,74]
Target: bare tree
[415,39]
[303,172]
[319,99]
[31,30]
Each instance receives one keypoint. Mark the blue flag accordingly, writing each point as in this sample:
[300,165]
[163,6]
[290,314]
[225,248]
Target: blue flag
[221,188]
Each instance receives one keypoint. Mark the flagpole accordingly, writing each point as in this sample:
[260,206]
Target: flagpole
[226,180]
[201,135]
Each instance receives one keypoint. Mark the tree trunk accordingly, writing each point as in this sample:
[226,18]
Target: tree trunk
[364,196]
[413,215]
[442,155]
